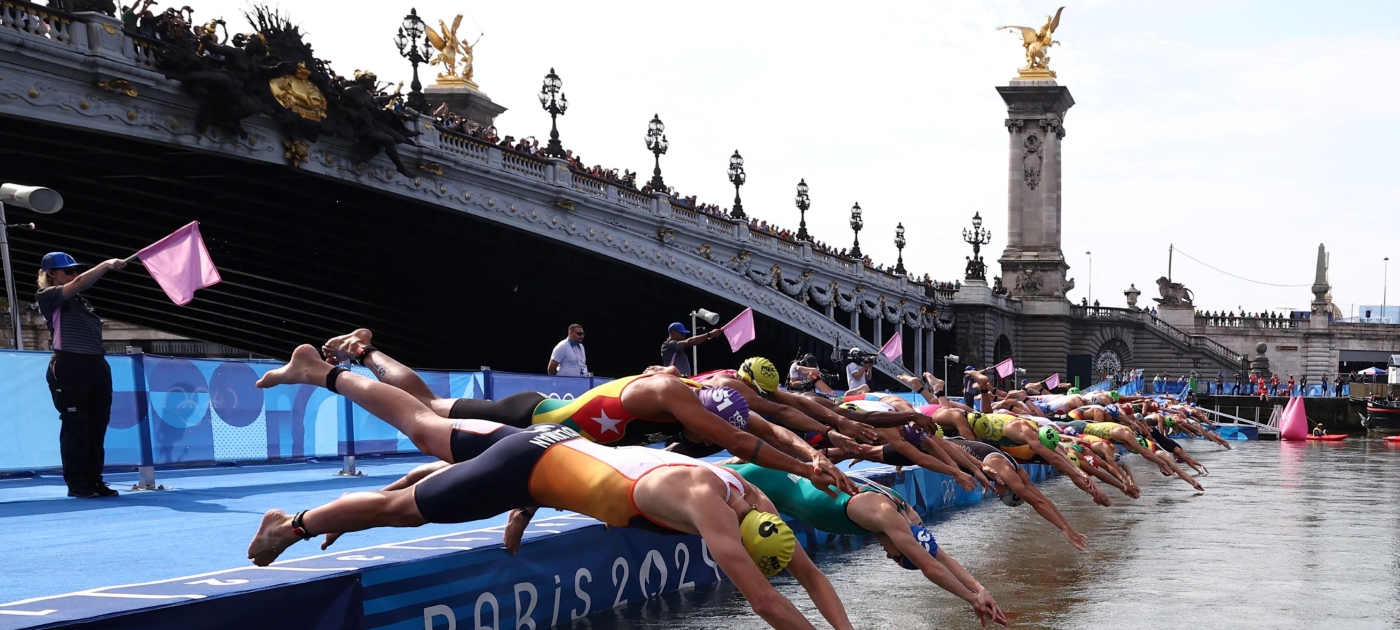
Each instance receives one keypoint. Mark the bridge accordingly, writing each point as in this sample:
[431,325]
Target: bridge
[484,256]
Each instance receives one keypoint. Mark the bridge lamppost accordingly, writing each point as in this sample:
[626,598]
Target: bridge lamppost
[657,144]
[1385,285]
[977,237]
[41,200]
[553,100]
[407,41]
[1091,277]
[954,358]
[737,176]
[856,224]
[899,243]
[803,203]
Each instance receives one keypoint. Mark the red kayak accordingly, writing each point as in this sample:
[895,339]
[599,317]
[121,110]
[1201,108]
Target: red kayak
[1391,438]
[1327,438]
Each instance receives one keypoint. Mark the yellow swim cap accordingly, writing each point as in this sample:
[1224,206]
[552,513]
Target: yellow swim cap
[769,541]
[760,373]
[1073,458]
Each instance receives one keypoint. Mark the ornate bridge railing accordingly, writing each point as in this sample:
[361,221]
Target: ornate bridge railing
[72,75]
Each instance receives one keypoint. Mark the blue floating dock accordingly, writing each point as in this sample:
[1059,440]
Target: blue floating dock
[176,558]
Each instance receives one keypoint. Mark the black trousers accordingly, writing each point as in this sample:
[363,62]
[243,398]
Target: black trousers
[81,385]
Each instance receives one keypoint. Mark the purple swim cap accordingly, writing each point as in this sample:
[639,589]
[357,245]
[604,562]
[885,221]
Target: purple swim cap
[727,403]
[913,435]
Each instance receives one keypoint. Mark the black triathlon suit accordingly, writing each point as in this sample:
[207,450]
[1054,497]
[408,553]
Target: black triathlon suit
[981,450]
[516,410]
[494,481]
[1169,445]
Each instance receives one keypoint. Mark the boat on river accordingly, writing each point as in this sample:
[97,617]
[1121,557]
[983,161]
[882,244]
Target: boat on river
[1382,414]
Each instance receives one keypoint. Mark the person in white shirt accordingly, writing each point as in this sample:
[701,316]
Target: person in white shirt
[856,373]
[569,358]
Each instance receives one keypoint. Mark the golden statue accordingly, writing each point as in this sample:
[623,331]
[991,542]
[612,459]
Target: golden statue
[1037,44]
[449,47]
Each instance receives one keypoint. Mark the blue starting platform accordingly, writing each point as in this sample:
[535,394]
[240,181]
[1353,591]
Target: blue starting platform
[176,558]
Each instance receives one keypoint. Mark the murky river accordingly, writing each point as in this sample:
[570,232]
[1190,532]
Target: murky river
[1285,536]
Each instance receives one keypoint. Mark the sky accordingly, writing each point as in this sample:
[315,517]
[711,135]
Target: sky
[1242,133]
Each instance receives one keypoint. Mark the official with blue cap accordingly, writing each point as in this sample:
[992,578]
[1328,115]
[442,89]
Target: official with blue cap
[79,379]
[677,342]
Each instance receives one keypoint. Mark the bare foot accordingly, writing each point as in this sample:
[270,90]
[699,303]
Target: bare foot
[934,383]
[274,536]
[908,379]
[305,367]
[515,528]
[348,345]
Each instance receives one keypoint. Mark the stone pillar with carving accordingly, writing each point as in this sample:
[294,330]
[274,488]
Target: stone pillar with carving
[1032,264]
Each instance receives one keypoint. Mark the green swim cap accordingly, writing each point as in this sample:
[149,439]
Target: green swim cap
[1049,437]
[1114,395]
[1170,423]
[1073,391]
[769,541]
[1142,441]
[1078,448]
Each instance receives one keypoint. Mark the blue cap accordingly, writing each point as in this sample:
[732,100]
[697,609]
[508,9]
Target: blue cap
[971,367]
[677,327]
[58,260]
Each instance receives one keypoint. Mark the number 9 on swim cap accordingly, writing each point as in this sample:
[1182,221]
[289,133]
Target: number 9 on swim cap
[769,541]
[727,403]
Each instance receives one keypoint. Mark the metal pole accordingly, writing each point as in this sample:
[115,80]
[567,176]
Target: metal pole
[1385,279]
[695,349]
[146,472]
[9,280]
[347,468]
[1170,249]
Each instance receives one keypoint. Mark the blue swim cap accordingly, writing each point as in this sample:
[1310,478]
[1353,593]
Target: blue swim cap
[727,403]
[925,540]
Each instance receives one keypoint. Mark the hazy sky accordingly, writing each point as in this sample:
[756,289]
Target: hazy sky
[1243,132]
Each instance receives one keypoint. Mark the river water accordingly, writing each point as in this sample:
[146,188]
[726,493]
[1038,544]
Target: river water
[1286,536]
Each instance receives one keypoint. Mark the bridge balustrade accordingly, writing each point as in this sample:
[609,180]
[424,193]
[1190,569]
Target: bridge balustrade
[36,20]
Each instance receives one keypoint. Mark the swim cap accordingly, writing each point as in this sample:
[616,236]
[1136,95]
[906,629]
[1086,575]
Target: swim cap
[1113,411]
[1142,441]
[727,403]
[1073,458]
[913,434]
[1070,431]
[760,373]
[1114,395]
[1170,423]
[1049,437]
[1011,499]
[1078,448]
[1072,391]
[768,540]
[925,540]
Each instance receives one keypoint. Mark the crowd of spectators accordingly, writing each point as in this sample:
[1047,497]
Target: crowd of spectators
[447,120]
[1266,319]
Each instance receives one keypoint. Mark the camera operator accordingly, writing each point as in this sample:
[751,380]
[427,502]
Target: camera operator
[858,370]
[806,376]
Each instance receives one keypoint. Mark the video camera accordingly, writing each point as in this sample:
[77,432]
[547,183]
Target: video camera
[809,360]
[856,355]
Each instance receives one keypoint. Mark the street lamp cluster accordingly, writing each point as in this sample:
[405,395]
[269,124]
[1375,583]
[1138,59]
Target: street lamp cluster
[553,100]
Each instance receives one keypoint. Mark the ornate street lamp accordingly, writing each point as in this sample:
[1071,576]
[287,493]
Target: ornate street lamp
[803,203]
[554,102]
[407,40]
[977,237]
[657,144]
[737,177]
[856,224]
[899,242]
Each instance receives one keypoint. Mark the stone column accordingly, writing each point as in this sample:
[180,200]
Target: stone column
[918,350]
[1032,265]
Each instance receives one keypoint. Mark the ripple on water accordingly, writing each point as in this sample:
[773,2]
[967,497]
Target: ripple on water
[1286,536]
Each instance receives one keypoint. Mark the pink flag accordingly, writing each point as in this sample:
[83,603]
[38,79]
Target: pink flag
[739,330]
[894,348]
[1053,381]
[1005,369]
[180,264]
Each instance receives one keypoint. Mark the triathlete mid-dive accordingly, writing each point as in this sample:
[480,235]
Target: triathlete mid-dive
[1004,430]
[908,445]
[1012,478]
[883,512]
[757,379]
[1161,425]
[552,465]
[628,411]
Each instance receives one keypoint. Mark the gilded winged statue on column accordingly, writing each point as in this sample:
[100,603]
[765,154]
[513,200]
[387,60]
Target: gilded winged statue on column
[449,47]
[1037,44]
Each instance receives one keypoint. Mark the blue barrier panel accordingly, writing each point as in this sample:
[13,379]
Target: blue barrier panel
[567,387]
[373,436]
[31,423]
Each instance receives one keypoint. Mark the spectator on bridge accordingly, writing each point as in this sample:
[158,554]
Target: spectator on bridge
[1263,389]
[1303,385]
[673,349]
[1338,383]
[1291,383]
[1239,380]
[1273,385]
[569,357]
[1219,382]
[78,375]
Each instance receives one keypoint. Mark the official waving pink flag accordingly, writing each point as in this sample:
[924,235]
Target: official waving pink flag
[1053,381]
[180,263]
[894,348]
[739,330]
[1005,368]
